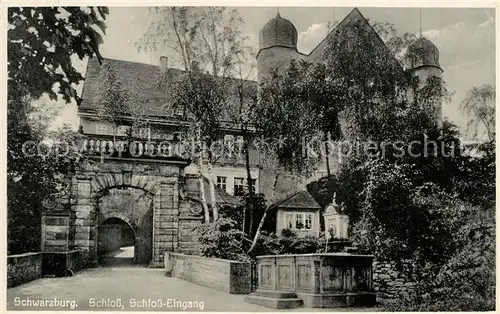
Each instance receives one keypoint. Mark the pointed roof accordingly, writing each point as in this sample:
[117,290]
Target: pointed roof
[353,16]
[300,200]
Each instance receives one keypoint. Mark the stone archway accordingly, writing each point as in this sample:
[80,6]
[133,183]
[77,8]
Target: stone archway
[116,243]
[166,212]
[135,207]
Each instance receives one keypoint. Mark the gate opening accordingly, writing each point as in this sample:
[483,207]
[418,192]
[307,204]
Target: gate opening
[116,243]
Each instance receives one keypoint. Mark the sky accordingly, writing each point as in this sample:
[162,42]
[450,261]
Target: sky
[465,38]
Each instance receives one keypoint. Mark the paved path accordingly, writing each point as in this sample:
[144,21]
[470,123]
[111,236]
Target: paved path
[125,288]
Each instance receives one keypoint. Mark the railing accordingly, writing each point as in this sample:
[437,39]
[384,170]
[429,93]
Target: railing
[109,146]
[104,146]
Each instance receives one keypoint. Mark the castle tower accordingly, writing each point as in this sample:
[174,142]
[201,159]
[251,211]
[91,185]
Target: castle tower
[424,62]
[277,46]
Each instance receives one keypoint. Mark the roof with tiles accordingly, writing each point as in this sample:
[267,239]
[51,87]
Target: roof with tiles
[299,200]
[142,82]
[278,32]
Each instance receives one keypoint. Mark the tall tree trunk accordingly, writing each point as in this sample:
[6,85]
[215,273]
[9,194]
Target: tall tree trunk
[202,183]
[257,233]
[212,191]
[251,192]
[202,192]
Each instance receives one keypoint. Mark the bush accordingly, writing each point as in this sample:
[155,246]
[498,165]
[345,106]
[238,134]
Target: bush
[466,282]
[222,239]
[288,243]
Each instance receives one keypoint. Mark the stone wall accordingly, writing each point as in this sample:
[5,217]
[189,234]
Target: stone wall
[23,268]
[159,184]
[145,194]
[230,276]
[388,281]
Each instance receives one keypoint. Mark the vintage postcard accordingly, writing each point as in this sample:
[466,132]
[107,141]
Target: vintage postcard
[250,158]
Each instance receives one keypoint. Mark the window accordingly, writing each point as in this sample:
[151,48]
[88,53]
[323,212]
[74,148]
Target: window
[308,221]
[221,182]
[228,139]
[145,133]
[298,221]
[254,182]
[179,111]
[102,128]
[289,221]
[122,130]
[177,136]
[239,187]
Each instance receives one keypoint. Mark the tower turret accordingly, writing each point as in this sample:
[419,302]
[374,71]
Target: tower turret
[277,45]
[424,62]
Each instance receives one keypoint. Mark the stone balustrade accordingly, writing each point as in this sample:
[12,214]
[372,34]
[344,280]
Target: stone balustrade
[109,147]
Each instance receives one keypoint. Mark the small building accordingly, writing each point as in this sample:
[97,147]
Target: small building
[298,212]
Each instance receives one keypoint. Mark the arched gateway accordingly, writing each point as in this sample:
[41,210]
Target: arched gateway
[146,195]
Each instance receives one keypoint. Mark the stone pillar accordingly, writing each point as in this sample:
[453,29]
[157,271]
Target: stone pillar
[84,223]
[165,221]
[317,287]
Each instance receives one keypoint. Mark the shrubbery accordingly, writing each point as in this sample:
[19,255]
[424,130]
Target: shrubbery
[288,243]
[222,239]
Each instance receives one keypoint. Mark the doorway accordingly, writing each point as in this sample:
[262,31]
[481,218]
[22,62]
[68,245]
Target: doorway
[116,243]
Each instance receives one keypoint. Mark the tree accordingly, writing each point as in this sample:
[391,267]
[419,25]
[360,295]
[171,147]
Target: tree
[41,41]
[282,116]
[37,161]
[118,105]
[479,106]
[203,39]
[415,206]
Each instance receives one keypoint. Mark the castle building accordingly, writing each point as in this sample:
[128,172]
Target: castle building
[155,192]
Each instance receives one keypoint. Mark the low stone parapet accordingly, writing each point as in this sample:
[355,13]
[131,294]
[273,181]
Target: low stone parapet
[23,268]
[318,280]
[225,275]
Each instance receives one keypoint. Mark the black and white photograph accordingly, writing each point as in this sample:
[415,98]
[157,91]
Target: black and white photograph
[249,158]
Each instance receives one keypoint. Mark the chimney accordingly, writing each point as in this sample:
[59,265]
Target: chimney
[163,63]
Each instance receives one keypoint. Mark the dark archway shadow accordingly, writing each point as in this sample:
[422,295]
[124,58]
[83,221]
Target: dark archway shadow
[116,243]
[144,239]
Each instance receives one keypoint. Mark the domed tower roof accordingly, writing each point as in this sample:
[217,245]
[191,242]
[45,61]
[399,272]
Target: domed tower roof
[424,53]
[278,32]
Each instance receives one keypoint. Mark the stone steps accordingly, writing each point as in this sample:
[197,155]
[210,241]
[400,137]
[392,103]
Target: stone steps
[274,299]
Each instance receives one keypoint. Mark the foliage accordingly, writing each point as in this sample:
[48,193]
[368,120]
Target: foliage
[41,41]
[407,220]
[466,282]
[281,115]
[288,243]
[412,206]
[233,213]
[33,172]
[111,98]
[209,36]
[210,44]
[479,107]
[222,239]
